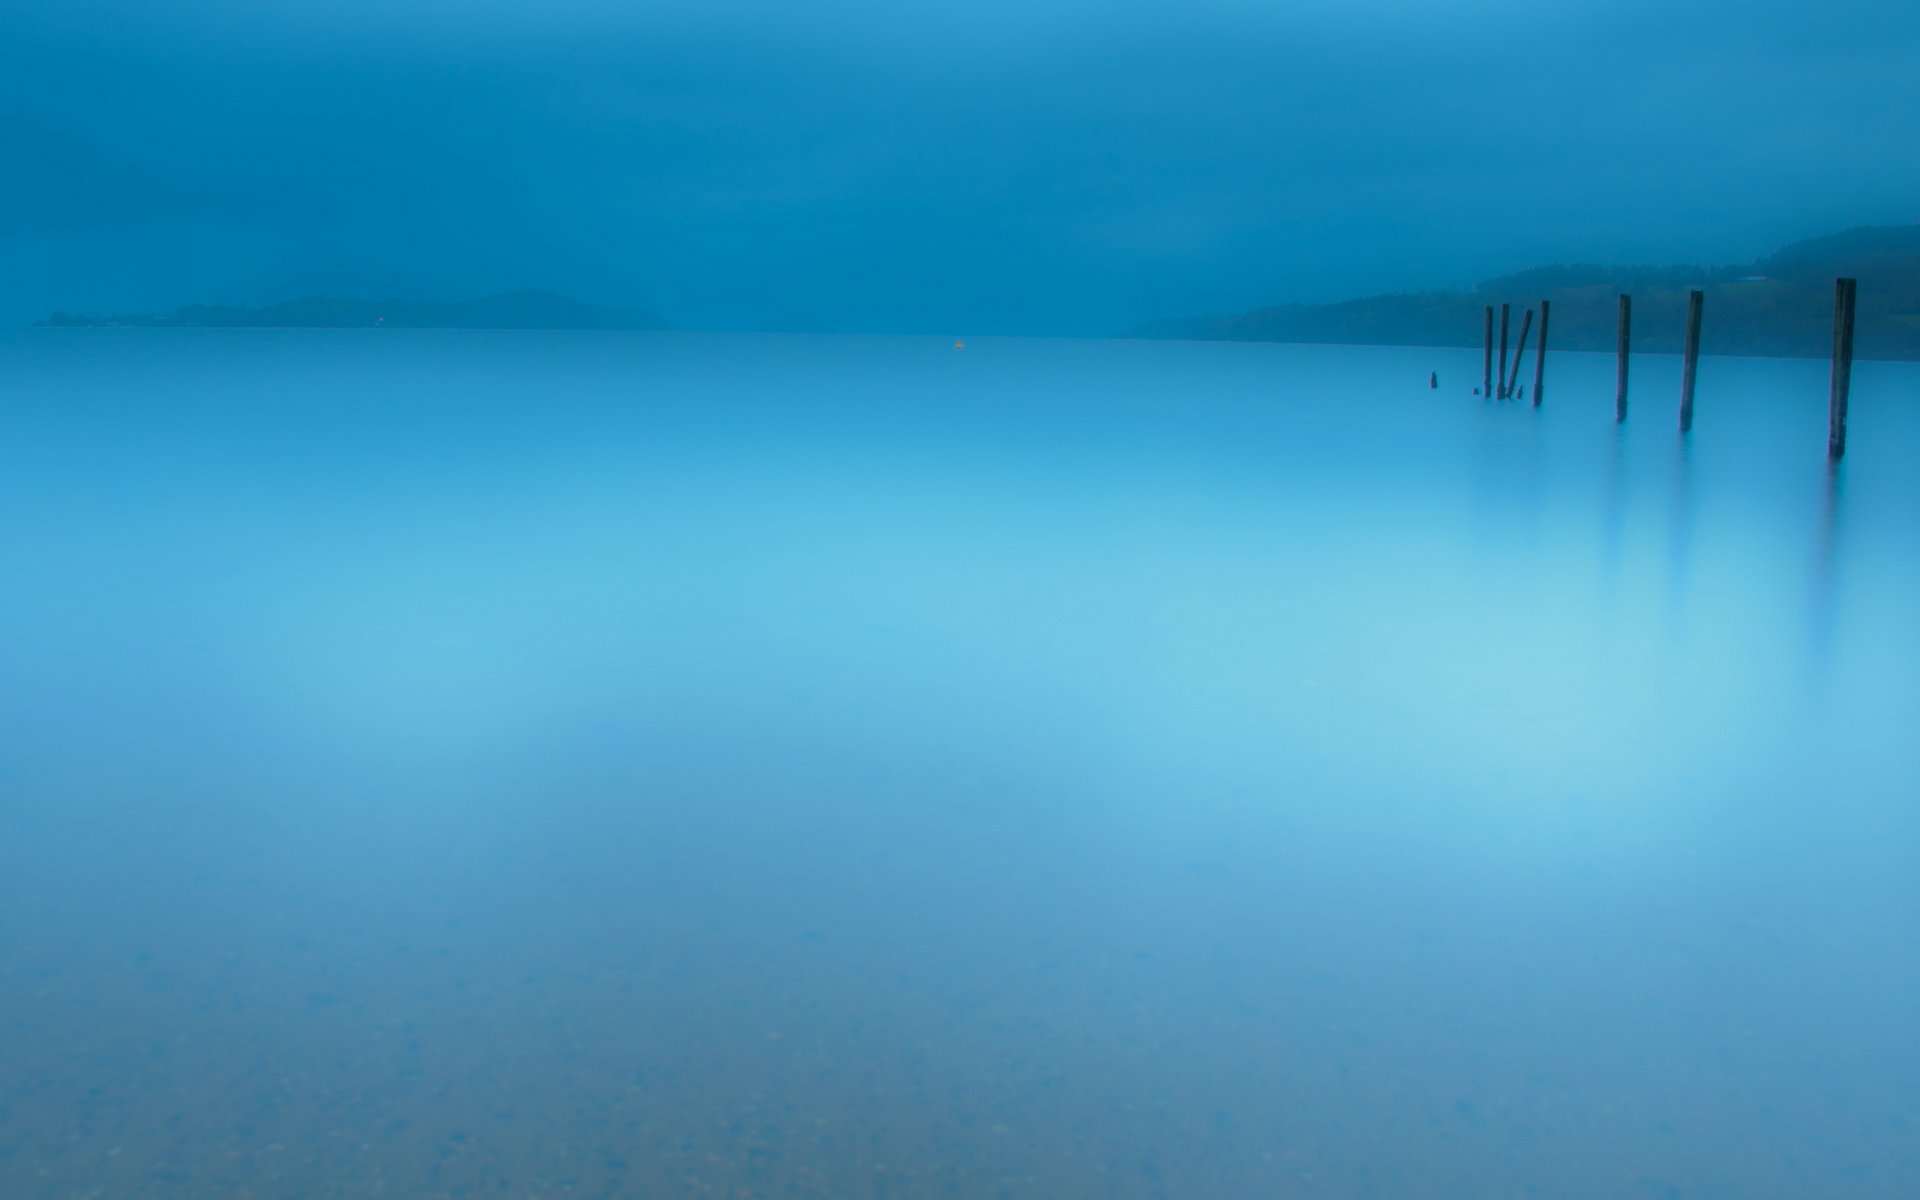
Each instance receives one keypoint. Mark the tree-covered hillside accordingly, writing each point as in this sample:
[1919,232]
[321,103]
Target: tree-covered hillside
[1780,305]
[514,310]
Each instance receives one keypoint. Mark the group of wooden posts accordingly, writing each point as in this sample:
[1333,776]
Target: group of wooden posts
[1843,298]
[1510,378]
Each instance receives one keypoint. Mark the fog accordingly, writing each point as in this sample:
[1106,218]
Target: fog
[1038,169]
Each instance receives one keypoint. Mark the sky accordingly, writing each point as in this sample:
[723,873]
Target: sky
[1045,167]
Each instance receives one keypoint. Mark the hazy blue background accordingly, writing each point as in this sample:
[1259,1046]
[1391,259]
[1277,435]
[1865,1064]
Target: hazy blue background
[1066,167]
[444,764]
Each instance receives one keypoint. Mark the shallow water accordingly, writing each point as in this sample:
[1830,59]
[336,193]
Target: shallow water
[506,765]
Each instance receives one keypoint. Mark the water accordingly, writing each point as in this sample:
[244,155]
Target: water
[500,765]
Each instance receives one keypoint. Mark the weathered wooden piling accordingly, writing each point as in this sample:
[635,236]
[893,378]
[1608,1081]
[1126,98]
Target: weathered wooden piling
[1843,294]
[1502,393]
[1626,338]
[1688,368]
[1486,386]
[1540,356]
[1519,352]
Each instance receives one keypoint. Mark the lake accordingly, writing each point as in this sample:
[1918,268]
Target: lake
[440,764]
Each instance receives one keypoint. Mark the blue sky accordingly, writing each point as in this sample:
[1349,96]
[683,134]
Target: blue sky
[1056,166]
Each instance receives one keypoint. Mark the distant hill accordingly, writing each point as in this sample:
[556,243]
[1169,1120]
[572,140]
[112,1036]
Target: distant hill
[513,310]
[1781,305]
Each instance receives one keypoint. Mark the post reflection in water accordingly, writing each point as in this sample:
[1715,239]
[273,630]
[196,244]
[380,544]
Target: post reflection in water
[1823,601]
[1680,521]
[1613,509]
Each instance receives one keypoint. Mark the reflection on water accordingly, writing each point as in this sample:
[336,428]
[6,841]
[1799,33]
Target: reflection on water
[1825,569]
[1680,525]
[1614,508]
[501,765]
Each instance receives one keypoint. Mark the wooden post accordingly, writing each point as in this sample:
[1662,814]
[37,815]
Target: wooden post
[1692,363]
[1540,357]
[1843,294]
[1519,352]
[1486,387]
[1626,332]
[1503,351]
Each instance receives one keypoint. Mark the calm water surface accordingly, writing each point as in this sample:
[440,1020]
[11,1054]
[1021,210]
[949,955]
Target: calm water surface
[522,765]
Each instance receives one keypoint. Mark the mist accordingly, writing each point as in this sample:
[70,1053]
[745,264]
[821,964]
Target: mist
[1055,169]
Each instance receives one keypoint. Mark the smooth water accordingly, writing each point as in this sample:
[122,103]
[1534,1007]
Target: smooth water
[511,765]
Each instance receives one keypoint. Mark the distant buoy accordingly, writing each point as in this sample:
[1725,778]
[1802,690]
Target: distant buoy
[959,345]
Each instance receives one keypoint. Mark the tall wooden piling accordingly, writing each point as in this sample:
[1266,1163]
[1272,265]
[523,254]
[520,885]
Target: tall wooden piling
[1688,368]
[1519,352]
[1540,356]
[1486,386]
[1502,393]
[1626,338]
[1843,293]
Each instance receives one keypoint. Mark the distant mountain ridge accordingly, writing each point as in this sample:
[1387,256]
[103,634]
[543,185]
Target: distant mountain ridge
[510,310]
[1781,305]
